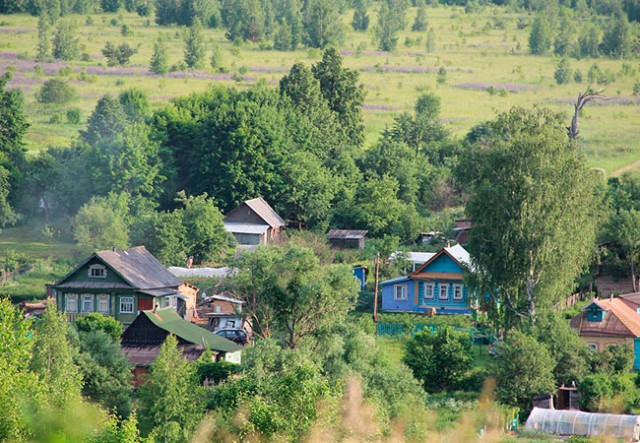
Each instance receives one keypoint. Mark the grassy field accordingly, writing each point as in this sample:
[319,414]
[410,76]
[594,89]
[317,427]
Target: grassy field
[478,51]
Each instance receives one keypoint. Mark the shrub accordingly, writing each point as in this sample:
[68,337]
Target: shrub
[73,116]
[55,119]
[56,91]
[100,322]
[441,361]
[562,73]
[118,55]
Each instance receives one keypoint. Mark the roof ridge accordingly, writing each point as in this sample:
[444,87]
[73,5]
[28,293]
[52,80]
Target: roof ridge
[625,315]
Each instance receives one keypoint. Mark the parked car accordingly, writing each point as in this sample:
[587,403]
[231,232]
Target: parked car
[238,336]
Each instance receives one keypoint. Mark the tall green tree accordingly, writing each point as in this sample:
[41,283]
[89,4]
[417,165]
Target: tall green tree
[195,47]
[523,369]
[18,382]
[100,224]
[288,292]
[52,360]
[420,23]
[206,237]
[171,400]
[245,20]
[616,41]
[13,127]
[106,372]
[441,360]
[344,95]
[107,121]
[43,49]
[159,63]
[624,229]
[391,20]
[360,20]
[323,26]
[66,45]
[540,37]
[531,202]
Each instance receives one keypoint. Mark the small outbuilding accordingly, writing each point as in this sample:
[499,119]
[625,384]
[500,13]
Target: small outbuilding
[142,340]
[571,422]
[254,223]
[346,238]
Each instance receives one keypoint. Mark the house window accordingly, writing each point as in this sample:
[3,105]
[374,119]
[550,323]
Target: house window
[126,305]
[443,293]
[87,303]
[593,346]
[171,300]
[457,292]
[72,302]
[97,271]
[400,292]
[429,290]
[103,303]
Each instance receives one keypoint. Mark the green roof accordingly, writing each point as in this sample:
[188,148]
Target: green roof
[169,320]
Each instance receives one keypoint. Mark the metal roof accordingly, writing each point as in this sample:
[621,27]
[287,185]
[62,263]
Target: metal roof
[413,257]
[394,280]
[346,233]
[265,212]
[619,320]
[169,320]
[245,228]
[139,267]
[93,285]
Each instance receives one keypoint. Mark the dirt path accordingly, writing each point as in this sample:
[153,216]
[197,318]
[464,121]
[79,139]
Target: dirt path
[633,166]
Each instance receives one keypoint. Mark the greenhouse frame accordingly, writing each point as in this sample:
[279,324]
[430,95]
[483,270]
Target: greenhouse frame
[571,422]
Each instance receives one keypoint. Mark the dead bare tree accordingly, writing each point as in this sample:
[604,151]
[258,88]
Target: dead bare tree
[583,98]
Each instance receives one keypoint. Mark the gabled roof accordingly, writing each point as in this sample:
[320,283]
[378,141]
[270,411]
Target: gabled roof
[457,253]
[169,320]
[619,320]
[265,212]
[346,233]
[136,266]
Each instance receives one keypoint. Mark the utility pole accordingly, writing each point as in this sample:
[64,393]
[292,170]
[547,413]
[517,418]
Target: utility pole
[375,289]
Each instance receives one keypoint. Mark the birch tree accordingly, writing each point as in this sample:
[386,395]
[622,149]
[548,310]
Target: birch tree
[533,205]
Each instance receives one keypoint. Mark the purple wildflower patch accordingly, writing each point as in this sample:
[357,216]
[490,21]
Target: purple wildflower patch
[482,86]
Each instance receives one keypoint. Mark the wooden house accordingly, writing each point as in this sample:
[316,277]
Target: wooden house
[346,238]
[611,321]
[120,283]
[254,223]
[142,340]
[223,311]
[435,287]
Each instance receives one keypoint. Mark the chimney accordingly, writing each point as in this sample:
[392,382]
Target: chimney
[611,297]
[155,307]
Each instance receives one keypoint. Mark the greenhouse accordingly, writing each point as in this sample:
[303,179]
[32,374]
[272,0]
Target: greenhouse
[567,422]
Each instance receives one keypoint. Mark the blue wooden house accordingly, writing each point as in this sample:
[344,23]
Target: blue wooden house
[436,286]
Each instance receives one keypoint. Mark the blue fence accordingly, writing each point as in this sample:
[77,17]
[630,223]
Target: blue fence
[476,335]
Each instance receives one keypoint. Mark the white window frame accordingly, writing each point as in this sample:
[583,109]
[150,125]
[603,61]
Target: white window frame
[73,297]
[404,293]
[444,286]
[458,289]
[89,298]
[101,274]
[101,298]
[432,288]
[126,300]
[171,301]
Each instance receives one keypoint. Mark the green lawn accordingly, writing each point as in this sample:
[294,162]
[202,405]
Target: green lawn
[478,50]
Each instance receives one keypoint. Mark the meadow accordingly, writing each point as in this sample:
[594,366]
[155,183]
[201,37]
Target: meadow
[485,54]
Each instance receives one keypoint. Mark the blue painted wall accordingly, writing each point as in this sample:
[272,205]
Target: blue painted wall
[387,291]
[444,263]
[636,350]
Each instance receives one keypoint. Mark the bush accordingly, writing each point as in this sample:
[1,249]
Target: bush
[100,322]
[217,371]
[56,91]
[593,390]
[73,116]
[441,361]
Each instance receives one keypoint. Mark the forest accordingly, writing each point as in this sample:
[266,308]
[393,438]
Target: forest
[141,122]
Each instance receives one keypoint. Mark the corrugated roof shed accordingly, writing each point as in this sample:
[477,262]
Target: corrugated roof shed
[170,321]
[346,233]
[266,212]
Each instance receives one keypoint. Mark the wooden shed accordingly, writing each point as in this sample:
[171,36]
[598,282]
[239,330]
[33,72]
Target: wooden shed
[254,223]
[346,238]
